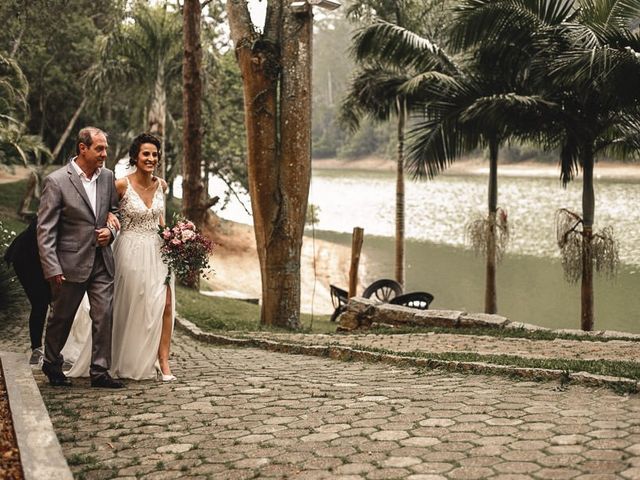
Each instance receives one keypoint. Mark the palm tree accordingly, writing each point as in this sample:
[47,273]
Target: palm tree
[585,61]
[374,90]
[16,144]
[459,104]
[148,51]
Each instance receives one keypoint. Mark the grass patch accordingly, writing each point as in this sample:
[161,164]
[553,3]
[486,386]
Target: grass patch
[79,459]
[598,367]
[224,314]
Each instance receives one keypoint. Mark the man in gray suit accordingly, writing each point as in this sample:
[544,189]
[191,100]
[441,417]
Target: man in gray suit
[73,240]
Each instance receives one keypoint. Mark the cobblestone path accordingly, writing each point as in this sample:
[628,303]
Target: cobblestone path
[248,413]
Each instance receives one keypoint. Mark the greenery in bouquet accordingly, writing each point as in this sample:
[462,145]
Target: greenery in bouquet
[185,251]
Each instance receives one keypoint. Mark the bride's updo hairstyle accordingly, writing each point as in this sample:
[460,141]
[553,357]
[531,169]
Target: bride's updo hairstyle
[141,139]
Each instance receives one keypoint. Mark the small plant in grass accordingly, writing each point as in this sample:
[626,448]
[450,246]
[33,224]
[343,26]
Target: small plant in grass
[160,465]
[622,388]
[80,459]
[68,412]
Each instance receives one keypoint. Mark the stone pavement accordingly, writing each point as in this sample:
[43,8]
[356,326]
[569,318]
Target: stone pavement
[620,350]
[249,413]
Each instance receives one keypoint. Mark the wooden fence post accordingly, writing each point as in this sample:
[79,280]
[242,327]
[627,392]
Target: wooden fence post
[356,248]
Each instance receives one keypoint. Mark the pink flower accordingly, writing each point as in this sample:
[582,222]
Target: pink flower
[176,242]
[166,234]
[188,235]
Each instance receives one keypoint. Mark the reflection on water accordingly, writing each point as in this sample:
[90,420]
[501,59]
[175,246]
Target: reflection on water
[531,286]
[530,289]
[437,210]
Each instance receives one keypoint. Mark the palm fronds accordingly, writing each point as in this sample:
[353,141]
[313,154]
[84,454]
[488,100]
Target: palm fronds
[385,42]
[370,93]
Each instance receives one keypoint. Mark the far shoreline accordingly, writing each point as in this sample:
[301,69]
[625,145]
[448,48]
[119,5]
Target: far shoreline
[614,170]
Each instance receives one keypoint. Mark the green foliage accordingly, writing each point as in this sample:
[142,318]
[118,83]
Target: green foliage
[331,69]
[10,197]
[224,141]
[11,296]
[367,140]
[312,216]
[16,145]
[139,65]
[14,88]
[54,61]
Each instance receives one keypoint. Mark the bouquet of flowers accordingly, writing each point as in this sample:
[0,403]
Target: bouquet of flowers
[185,251]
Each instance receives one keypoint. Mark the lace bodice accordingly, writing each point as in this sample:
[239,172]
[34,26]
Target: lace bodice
[136,217]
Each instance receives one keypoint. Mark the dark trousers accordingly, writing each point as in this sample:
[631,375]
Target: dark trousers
[66,300]
[39,295]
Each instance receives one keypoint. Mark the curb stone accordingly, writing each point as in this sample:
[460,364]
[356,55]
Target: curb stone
[349,354]
[362,313]
[40,452]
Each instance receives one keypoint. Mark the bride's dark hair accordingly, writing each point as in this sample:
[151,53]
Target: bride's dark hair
[134,150]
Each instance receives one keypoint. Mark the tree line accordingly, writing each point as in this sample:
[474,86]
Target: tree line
[117,65]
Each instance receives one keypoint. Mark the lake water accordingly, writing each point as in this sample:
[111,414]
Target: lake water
[531,285]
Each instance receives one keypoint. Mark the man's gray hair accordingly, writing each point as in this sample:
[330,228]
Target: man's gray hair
[85,135]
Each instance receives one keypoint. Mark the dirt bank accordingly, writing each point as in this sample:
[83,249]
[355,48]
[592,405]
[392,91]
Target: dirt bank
[477,166]
[237,271]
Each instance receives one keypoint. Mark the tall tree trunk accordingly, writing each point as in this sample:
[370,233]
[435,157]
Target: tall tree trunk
[588,211]
[31,192]
[157,116]
[400,262]
[490,294]
[276,72]
[67,131]
[193,193]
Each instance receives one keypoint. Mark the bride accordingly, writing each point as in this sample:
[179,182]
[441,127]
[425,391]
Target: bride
[144,306]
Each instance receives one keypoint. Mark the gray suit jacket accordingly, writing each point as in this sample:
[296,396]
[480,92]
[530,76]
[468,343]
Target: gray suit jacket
[67,224]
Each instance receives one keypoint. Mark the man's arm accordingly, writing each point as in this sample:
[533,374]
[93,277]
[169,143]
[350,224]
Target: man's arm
[48,217]
[113,221]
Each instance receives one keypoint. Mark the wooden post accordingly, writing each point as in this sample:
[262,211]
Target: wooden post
[356,248]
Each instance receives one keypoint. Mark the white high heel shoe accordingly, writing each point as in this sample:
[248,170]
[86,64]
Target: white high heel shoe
[167,378]
[163,377]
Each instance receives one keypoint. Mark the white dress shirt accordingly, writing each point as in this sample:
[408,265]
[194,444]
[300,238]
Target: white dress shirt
[89,184]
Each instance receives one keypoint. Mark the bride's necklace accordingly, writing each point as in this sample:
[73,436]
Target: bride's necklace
[153,184]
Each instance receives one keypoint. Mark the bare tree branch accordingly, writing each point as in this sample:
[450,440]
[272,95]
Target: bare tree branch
[235,194]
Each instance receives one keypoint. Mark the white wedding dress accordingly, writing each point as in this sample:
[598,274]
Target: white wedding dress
[139,293]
